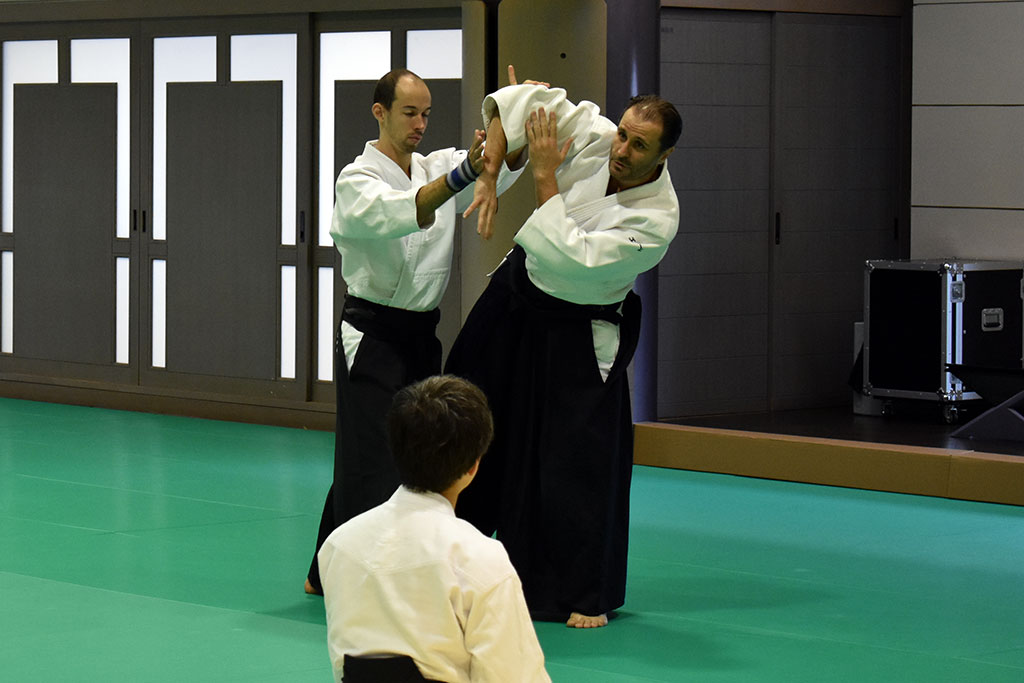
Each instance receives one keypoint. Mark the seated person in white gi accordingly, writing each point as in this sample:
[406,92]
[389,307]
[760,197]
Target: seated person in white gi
[408,577]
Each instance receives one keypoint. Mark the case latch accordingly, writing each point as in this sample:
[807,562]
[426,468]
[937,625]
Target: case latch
[992,320]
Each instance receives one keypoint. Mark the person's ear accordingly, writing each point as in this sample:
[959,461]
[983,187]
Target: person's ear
[378,111]
[664,155]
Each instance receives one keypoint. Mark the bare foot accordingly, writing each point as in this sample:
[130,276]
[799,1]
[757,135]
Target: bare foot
[309,589]
[577,620]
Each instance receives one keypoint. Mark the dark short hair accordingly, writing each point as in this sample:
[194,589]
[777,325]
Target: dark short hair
[384,92]
[655,108]
[438,428]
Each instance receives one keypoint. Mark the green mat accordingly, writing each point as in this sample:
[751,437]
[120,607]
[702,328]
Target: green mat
[144,548]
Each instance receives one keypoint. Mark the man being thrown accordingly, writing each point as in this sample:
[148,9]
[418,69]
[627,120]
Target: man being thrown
[550,338]
[394,226]
[408,577]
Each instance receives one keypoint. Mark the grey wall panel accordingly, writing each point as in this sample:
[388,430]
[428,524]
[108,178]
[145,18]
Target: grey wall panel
[808,335]
[967,234]
[823,292]
[717,84]
[839,210]
[723,211]
[836,186]
[223,228]
[713,283]
[720,294]
[715,37]
[969,157]
[711,253]
[828,373]
[65,171]
[968,53]
[708,386]
[712,337]
[851,249]
[726,168]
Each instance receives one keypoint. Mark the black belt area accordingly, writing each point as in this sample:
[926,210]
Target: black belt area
[389,323]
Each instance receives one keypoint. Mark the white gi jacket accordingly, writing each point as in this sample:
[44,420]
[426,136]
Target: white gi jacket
[583,246]
[409,577]
[386,257]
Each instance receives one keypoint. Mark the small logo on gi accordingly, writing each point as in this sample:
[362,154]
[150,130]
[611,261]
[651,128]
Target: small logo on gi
[639,247]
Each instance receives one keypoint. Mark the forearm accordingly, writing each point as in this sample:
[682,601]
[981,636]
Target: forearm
[429,198]
[496,150]
[546,185]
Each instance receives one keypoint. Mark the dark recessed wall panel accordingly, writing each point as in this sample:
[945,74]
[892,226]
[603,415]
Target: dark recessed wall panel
[223,228]
[65,146]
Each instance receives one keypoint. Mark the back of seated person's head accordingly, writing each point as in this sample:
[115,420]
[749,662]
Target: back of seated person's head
[438,428]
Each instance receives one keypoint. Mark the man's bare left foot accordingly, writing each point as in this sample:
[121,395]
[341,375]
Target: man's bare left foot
[577,620]
[310,590]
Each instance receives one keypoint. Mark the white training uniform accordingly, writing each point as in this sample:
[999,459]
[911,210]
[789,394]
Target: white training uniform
[583,246]
[408,577]
[386,257]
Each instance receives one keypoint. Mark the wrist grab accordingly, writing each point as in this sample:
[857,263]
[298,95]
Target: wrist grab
[461,176]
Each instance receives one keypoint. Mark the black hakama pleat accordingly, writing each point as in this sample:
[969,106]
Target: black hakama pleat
[555,483]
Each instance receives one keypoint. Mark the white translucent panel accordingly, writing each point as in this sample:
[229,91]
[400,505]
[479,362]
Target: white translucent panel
[159,313]
[325,325]
[108,60]
[435,54]
[29,61]
[356,56]
[288,322]
[122,308]
[275,58]
[191,59]
[7,302]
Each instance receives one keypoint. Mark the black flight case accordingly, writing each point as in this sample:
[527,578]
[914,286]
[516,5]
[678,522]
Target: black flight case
[922,316]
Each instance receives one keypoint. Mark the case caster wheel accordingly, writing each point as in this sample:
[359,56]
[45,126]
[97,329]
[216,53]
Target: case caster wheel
[887,409]
[950,414]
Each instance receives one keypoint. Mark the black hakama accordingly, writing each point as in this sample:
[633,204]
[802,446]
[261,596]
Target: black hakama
[398,348]
[555,483]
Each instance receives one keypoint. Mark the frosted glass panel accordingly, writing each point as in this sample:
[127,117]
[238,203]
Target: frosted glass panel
[357,56]
[274,58]
[109,61]
[175,60]
[435,54]
[325,325]
[30,61]
[122,315]
[159,313]
[7,302]
[288,322]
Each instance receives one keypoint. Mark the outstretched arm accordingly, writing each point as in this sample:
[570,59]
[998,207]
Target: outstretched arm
[438,191]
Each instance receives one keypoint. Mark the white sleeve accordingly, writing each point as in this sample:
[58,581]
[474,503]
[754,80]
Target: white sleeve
[367,207]
[583,122]
[500,638]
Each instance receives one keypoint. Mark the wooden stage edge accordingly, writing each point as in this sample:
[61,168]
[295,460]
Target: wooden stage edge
[944,473]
